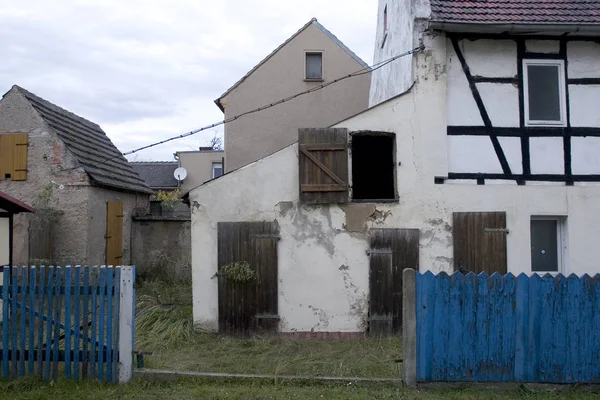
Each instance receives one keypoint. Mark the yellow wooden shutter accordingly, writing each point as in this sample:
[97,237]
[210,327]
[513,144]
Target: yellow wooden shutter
[13,156]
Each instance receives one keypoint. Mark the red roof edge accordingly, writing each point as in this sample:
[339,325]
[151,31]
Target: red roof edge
[13,205]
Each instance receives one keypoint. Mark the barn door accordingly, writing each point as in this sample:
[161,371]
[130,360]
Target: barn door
[392,251]
[480,241]
[114,233]
[323,165]
[247,307]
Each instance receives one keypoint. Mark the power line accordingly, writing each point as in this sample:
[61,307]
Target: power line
[362,71]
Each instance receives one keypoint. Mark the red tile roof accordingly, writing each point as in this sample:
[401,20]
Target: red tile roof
[517,11]
[13,205]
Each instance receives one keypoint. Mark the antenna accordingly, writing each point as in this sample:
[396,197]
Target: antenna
[180,173]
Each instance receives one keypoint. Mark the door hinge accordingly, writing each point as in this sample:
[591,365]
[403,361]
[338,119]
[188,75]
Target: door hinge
[496,230]
[379,251]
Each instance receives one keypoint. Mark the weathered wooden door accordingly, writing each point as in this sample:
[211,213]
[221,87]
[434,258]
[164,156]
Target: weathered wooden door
[114,233]
[392,251]
[480,241]
[248,307]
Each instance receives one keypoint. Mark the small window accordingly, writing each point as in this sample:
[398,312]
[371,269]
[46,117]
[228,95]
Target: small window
[385,20]
[217,169]
[373,167]
[544,92]
[548,244]
[314,66]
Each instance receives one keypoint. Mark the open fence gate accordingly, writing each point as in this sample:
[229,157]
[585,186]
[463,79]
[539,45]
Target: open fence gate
[73,321]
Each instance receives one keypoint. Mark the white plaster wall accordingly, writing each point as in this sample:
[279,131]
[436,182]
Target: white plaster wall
[490,58]
[316,292]
[547,155]
[583,59]
[501,102]
[472,154]
[585,153]
[4,241]
[583,102]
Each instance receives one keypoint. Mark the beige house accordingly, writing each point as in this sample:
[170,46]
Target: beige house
[312,56]
[201,166]
[84,190]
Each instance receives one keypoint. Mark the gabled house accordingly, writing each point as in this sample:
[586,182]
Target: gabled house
[480,152]
[9,207]
[307,59]
[84,190]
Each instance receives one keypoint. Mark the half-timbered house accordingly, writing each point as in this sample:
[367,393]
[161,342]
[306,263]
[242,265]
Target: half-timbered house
[480,152]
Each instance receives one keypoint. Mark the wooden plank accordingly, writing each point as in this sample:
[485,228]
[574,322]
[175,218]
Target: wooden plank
[77,323]
[323,160]
[324,188]
[13,317]
[50,290]
[481,324]
[41,322]
[109,322]
[455,328]
[480,241]
[57,318]
[68,310]
[101,324]
[86,303]
[31,326]
[19,148]
[469,318]
[23,321]
[425,320]
[94,285]
[6,271]
[117,322]
[126,323]
[264,258]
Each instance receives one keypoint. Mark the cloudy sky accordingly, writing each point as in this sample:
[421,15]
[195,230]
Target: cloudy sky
[149,69]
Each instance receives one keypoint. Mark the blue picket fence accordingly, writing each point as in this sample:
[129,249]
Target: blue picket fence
[63,321]
[496,328]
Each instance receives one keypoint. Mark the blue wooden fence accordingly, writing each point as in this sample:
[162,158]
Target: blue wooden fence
[61,320]
[507,329]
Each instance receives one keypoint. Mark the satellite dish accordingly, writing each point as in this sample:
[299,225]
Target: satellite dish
[180,173]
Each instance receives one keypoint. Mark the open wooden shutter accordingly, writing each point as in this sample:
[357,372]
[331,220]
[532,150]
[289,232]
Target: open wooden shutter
[480,241]
[114,233]
[323,158]
[13,156]
[391,252]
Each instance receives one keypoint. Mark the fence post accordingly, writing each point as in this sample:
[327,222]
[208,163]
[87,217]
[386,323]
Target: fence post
[126,324]
[409,327]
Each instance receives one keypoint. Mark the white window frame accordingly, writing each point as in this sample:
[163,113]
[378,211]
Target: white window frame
[562,92]
[561,243]
[217,163]
[322,53]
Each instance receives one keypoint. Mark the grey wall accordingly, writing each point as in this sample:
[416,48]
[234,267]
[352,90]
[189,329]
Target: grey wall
[199,166]
[162,246]
[257,135]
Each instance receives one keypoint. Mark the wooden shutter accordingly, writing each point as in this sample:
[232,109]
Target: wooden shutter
[114,233]
[248,307]
[323,158]
[13,156]
[480,241]
[392,251]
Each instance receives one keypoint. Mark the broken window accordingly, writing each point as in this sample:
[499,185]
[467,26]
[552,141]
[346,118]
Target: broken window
[373,166]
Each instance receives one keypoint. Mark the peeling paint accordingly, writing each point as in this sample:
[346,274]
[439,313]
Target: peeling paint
[357,215]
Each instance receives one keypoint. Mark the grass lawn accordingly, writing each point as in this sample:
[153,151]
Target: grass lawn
[199,389]
[168,334]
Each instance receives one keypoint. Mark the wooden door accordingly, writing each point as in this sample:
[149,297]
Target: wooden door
[479,242]
[114,233]
[392,251]
[248,307]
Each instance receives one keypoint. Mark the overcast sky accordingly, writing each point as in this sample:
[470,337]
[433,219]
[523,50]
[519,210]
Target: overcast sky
[145,70]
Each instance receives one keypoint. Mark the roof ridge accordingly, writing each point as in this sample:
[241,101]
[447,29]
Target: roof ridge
[32,96]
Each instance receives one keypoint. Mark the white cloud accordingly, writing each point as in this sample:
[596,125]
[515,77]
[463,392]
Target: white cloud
[146,70]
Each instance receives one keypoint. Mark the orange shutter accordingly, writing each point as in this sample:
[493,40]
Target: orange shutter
[13,156]
[114,233]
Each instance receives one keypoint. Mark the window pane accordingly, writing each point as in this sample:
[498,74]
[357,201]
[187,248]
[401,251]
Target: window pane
[544,251]
[217,170]
[544,92]
[314,66]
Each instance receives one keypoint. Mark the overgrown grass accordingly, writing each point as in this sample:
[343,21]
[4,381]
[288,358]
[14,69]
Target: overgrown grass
[27,389]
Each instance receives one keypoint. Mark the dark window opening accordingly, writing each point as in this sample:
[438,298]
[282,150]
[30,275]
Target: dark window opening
[373,167]
[6,176]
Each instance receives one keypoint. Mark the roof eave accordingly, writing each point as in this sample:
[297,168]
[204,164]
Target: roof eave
[218,103]
[517,28]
